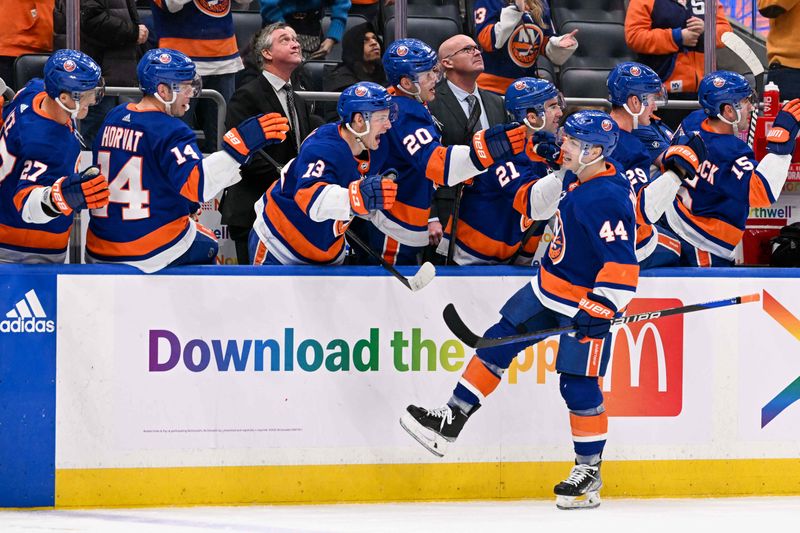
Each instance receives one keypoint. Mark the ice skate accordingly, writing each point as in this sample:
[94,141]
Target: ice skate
[435,428]
[581,490]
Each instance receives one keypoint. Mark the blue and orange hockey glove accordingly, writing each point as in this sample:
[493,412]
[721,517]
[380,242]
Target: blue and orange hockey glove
[684,155]
[544,145]
[88,189]
[373,192]
[253,134]
[781,137]
[593,319]
[497,143]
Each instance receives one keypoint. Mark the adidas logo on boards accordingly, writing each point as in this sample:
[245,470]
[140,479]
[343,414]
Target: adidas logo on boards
[27,316]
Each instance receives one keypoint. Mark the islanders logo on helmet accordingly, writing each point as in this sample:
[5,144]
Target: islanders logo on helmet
[718,82]
[214,8]
[636,71]
[72,72]
[408,58]
[165,59]
[520,84]
[364,97]
[361,91]
[606,125]
[402,51]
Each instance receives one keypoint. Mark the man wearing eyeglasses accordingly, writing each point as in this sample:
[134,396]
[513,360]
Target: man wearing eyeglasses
[462,109]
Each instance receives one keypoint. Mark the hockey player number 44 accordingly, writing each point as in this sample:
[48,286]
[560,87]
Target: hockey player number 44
[611,235]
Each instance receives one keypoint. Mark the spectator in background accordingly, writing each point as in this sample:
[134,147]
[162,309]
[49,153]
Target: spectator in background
[462,109]
[783,45]
[27,28]
[361,60]
[668,37]
[111,35]
[306,19]
[202,30]
[278,53]
[512,35]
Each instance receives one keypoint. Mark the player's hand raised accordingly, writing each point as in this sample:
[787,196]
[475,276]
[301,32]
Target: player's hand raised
[88,189]
[781,137]
[497,143]
[253,134]
[684,156]
[373,192]
[544,146]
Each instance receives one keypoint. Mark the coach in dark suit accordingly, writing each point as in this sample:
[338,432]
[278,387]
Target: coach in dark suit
[461,109]
[279,54]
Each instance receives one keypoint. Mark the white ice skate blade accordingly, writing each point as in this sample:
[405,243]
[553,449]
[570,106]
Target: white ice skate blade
[424,275]
[433,442]
[590,500]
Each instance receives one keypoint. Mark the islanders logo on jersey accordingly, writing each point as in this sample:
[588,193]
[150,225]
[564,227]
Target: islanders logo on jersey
[558,246]
[214,8]
[525,44]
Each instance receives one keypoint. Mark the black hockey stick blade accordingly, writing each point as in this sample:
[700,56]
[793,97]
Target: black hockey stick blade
[468,337]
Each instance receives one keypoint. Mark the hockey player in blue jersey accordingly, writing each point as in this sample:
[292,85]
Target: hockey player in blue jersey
[415,151]
[156,170]
[303,217]
[710,210]
[493,212]
[635,92]
[39,157]
[587,276]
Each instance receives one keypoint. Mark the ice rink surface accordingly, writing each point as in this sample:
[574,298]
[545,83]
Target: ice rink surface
[617,515]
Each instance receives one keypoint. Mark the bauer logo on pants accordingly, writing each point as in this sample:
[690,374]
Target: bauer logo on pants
[645,374]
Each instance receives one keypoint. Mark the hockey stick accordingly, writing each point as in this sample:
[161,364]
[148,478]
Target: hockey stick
[424,275]
[472,340]
[735,44]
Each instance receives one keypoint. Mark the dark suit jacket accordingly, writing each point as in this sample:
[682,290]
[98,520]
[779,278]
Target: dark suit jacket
[253,98]
[448,112]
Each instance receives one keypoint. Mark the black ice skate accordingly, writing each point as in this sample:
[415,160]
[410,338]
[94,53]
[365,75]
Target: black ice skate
[435,428]
[581,489]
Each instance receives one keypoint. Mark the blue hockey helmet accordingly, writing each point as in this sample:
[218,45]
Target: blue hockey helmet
[167,66]
[73,72]
[365,97]
[593,128]
[526,94]
[634,79]
[408,57]
[720,88]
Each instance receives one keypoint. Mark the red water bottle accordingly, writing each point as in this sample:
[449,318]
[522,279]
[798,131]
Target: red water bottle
[772,100]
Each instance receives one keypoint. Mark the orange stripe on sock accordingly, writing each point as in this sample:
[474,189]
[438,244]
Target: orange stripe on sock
[390,248]
[588,426]
[480,377]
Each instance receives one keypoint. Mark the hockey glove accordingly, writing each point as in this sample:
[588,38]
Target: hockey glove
[373,192]
[593,319]
[684,156]
[781,137]
[497,143]
[253,134]
[89,189]
[545,147]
